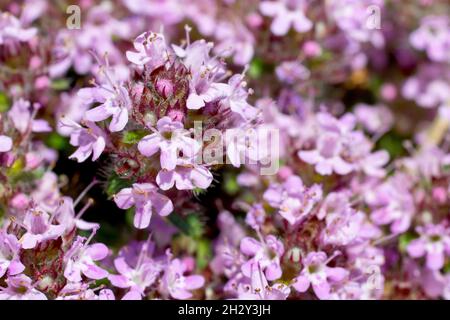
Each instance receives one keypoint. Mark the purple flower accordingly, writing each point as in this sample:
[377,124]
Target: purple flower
[434,242]
[267,253]
[75,47]
[12,31]
[256,216]
[80,260]
[170,138]
[352,17]
[433,36]
[146,199]
[90,140]
[137,278]
[237,37]
[176,284]
[22,117]
[392,203]
[315,273]
[114,102]
[9,255]
[206,71]
[259,289]
[234,96]
[343,226]
[5,143]
[286,13]
[47,192]
[292,71]
[376,119]
[152,50]
[227,257]
[65,215]
[20,288]
[39,228]
[294,200]
[185,176]
[327,156]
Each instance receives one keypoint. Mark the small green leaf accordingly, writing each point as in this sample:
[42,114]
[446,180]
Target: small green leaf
[56,141]
[447,268]
[4,102]
[230,184]
[258,67]
[133,137]
[189,225]
[204,253]
[404,240]
[129,217]
[115,184]
[60,84]
[392,144]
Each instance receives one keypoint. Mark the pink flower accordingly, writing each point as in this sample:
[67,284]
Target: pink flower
[20,288]
[259,289]
[114,102]
[80,260]
[65,215]
[294,200]
[233,96]
[39,228]
[90,140]
[9,255]
[286,13]
[267,253]
[21,114]
[315,273]
[5,143]
[185,176]
[206,71]
[433,36]
[434,242]
[152,50]
[392,203]
[12,30]
[146,199]
[176,284]
[139,277]
[291,72]
[170,138]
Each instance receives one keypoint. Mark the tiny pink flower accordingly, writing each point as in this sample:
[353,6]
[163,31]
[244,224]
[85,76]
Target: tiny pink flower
[315,273]
[170,138]
[146,199]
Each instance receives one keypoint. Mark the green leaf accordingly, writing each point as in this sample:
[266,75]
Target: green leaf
[60,84]
[404,240]
[189,225]
[115,184]
[4,102]
[56,141]
[256,68]
[447,268]
[204,253]
[133,137]
[392,144]
[230,184]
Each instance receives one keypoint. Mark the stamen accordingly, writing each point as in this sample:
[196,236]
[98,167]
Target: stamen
[83,193]
[188,30]
[143,252]
[94,231]
[83,210]
[384,239]
[335,254]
